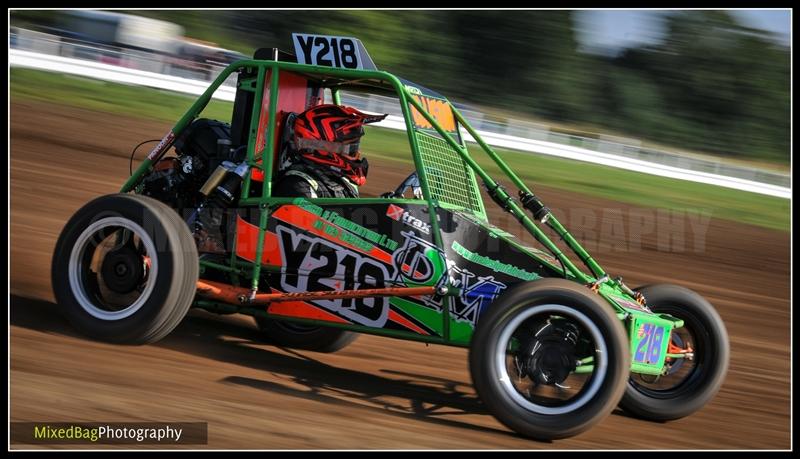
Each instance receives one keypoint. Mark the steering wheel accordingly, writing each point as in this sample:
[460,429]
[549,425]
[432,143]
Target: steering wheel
[412,181]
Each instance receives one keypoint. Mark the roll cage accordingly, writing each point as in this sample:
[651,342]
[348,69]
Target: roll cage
[446,170]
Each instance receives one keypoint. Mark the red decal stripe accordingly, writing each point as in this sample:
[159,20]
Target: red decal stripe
[397,318]
[247,243]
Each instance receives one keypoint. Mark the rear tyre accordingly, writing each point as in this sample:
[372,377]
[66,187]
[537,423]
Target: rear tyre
[524,359]
[689,384]
[301,336]
[125,269]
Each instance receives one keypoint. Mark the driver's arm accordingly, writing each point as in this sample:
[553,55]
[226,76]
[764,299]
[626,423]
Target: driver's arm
[296,185]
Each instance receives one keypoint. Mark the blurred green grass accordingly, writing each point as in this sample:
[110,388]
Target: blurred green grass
[591,179]
[616,184]
[108,97]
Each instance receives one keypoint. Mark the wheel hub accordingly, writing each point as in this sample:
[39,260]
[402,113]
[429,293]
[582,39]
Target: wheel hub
[122,270]
[550,355]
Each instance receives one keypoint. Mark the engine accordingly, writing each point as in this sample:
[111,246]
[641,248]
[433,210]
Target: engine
[177,180]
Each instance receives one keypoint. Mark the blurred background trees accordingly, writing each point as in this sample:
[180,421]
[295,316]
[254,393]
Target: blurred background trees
[710,84]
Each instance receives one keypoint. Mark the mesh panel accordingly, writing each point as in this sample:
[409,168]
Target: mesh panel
[450,180]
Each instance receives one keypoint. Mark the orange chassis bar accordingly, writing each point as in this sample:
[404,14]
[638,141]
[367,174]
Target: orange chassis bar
[238,295]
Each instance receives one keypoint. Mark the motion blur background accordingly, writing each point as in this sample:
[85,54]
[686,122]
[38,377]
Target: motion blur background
[710,82]
[706,92]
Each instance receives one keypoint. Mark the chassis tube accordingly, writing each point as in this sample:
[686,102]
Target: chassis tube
[166,142]
[513,207]
[551,221]
[266,163]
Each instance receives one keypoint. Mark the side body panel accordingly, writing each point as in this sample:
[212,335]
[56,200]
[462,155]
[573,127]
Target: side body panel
[313,247]
[316,246]
[483,263]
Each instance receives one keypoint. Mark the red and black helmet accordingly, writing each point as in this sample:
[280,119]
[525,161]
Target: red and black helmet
[330,135]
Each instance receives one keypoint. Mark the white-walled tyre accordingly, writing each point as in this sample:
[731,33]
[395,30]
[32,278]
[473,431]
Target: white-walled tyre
[125,269]
[549,359]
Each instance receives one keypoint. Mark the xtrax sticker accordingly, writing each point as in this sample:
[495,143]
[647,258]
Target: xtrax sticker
[477,293]
[315,264]
[399,214]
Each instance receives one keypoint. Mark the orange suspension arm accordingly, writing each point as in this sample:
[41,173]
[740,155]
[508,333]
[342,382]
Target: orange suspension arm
[238,295]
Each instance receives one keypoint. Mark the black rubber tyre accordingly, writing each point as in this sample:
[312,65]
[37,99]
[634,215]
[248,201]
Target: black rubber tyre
[692,390]
[560,298]
[301,336]
[160,269]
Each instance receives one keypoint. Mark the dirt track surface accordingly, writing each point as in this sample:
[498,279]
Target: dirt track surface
[379,392]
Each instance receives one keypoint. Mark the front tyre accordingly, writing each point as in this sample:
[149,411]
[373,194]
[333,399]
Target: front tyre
[549,359]
[688,384]
[125,269]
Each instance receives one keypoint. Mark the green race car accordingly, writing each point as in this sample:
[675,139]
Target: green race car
[553,348]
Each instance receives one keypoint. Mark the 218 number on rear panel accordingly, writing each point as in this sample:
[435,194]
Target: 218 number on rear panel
[649,349]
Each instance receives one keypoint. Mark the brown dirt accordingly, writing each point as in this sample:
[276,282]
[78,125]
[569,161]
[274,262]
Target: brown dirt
[377,393]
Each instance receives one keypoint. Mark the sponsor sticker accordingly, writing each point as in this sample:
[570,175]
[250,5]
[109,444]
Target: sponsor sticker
[342,222]
[494,265]
[399,214]
[163,145]
[477,293]
[625,303]
[438,109]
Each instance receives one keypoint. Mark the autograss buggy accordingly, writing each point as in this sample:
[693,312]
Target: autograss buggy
[552,349]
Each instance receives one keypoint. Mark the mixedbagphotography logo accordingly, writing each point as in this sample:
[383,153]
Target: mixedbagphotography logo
[147,433]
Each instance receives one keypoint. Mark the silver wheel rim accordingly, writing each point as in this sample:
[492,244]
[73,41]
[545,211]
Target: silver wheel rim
[76,274]
[600,364]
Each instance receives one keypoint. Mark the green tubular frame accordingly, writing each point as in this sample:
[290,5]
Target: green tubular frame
[271,70]
[552,220]
[514,208]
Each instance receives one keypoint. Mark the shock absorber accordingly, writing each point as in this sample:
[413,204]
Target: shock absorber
[220,191]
